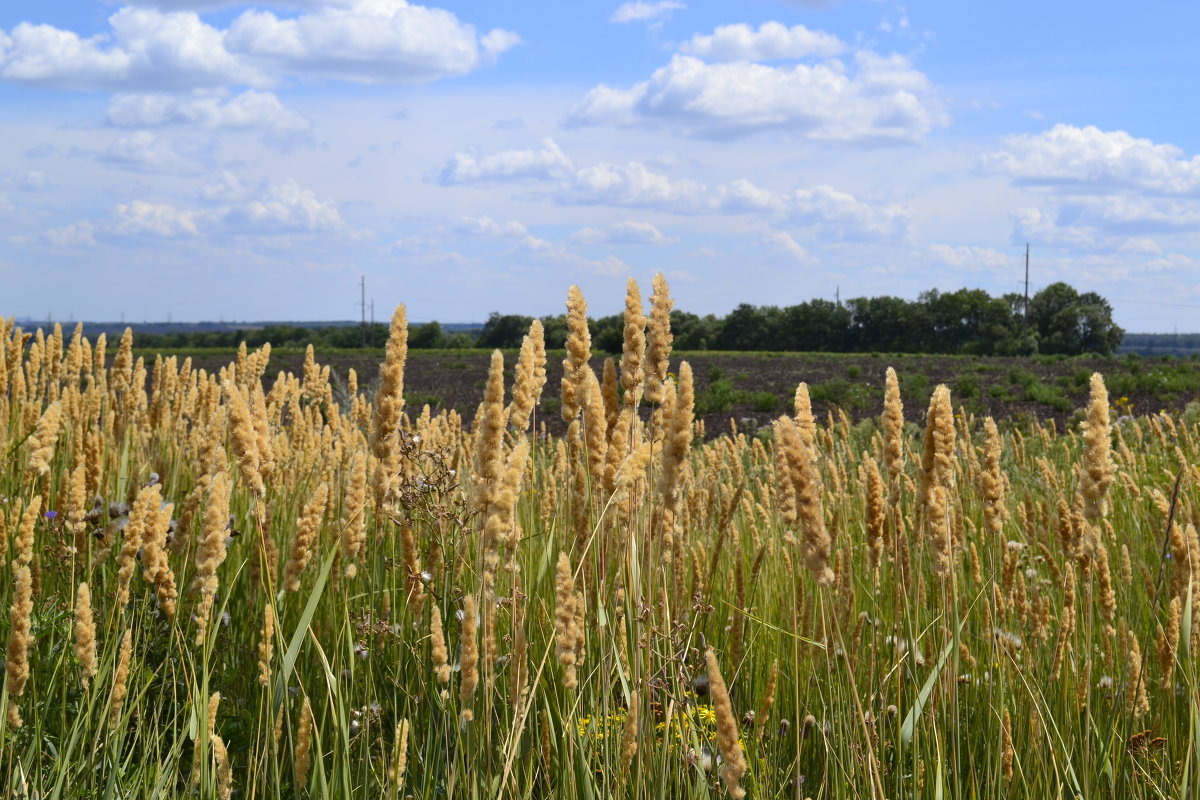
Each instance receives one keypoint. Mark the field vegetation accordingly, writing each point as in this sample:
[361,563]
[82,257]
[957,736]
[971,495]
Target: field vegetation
[222,584]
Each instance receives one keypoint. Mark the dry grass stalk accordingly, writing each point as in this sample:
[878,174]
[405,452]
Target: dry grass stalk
[579,350]
[20,639]
[438,649]
[893,434]
[266,645]
[633,351]
[566,630]
[399,757]
[43,439]
[354,516]
[211,552]
[389,407]
[991,481]
[120,687]
[734,766]
[85,633]
[469,660]
[304,743]
[244,439]
[224,770]
[876,512]
[304,541]
[803,414]
[806,489]
[1006,754]
[1097,470]
[658,339]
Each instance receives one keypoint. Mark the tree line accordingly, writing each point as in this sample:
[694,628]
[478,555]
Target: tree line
[1060,320]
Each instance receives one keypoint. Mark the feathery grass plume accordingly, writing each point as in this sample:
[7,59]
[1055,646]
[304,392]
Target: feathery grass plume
[611,397]
[354,516]
[1006,747]
[155,567]
[389,400]
[266,645]
[876,512]
[120,686]
[806,489]
[305,538]
[764,710]
[1066,624]
[245,438]
[566,631]
[489,436]
[45,436]
[211,551]
[727,730]
[802,410]
[399,756]
[262,431]
[23,544]
[604,444]
[1168,642]
[528,380]
[579,350]
[304,742]
[629,734]
[991,481]
[142,519]
[20,639]
[469,657]
[85,633]
[1097,470]
[438,650]
[676,447]
[1137,702]
[893,435]
[658,338]
[633,352]
[224,771]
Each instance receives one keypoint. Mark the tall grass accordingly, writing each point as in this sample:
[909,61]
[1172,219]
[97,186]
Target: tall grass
[221,586]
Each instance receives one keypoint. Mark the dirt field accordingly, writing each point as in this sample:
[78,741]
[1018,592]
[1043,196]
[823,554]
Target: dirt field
[754,388]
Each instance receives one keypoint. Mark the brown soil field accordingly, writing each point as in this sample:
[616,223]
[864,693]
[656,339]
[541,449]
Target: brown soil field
[754,388]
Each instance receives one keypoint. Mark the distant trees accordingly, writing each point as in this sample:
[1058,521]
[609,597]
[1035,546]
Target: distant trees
[967,321]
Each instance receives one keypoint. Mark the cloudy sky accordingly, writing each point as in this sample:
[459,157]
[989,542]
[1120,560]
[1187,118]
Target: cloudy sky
[210,159]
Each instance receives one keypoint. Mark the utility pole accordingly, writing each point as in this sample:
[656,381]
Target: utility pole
[837,295]
[1027,288]
[362,304]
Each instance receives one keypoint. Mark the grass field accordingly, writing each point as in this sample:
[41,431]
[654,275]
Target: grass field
[319,590]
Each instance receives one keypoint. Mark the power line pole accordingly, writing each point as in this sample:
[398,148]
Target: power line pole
[1027,288]
[362,303]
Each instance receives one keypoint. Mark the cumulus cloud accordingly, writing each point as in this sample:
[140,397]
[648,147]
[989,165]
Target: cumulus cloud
[1068,157]
[625,232]
[77,234]
[546,163]
[145,49]
[365,41]
[488,228]
[645,12]
[884,100]
[831,213]
[772,41]
[284,208]
[781,243]
[156,219]
[213,110]
[531,249]
[143,151]
[368,41]
[972,258]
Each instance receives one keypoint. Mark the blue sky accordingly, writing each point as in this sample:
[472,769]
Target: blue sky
[206,159]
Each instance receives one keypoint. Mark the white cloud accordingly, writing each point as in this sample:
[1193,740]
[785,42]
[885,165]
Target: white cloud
[143,151]
[146,49]
[638,11]
[33,181]
[284,207]
[625,232]
[209,109]
[365,41]
[972,258]
[489,228]
[884,101]
[1088,158]
[546,163]
[368,41]
[772,41]
[781,243]
[77,234]
[1075,229]
[832,214]
[157,219]
[531,249]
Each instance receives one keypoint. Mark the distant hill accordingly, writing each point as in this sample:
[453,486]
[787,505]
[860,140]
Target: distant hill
[1161,344]
[93,329]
